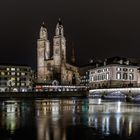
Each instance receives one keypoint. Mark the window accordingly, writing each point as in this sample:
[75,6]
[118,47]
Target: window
[118,69]
[18,79]
[22,73]
[125,76]
[102,77]
[131,70]
[131,76]
[118,76]
[12,69]
[125,69]
[92,78]
[12,73]
[18,84]
[107,76]
[22,84]
[95,78]
[2,73]
[8,69]
[18,74]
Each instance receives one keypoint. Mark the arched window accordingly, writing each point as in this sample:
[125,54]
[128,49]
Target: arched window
[131,76]
[118,76]
[107,76]
[125,76]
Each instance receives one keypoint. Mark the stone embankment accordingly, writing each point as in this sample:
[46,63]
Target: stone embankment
[52,94]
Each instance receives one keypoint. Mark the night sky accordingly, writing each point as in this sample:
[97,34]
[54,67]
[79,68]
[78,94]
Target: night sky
[96,28]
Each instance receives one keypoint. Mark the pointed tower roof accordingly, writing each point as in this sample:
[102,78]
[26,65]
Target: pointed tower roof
[59,28]
[43,31]
[59,21]
[43,24]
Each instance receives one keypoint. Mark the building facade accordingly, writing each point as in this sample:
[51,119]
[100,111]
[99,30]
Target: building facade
[14,78]
[54,69]
[113,75]
[113,72]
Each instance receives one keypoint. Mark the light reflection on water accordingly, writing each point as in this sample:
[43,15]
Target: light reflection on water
[54,119]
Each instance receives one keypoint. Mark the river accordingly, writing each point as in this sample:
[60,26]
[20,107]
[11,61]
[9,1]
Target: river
[68,119]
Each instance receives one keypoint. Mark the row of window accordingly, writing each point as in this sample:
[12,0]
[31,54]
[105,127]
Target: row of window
[13,73]
[124,76]
[15,79]
[118,69]
[100,70]
[14,69]
[124,69]
[100,77]
[14,84]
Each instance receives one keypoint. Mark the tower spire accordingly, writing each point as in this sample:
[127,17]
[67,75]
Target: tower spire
[73,59]
[43,31]
[59,28]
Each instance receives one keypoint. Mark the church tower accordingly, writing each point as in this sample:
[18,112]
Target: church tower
[59,48]
[43,53]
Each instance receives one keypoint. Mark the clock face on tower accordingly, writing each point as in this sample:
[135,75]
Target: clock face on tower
[56,51]
[40,53]
[56,42]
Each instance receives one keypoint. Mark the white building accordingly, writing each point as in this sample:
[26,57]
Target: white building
[114,75]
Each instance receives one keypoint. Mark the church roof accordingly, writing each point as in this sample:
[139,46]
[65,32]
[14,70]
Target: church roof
[70,67]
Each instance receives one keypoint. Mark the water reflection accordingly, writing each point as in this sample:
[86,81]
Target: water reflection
[56,119]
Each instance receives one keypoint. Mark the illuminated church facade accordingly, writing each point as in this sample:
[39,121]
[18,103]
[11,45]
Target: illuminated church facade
[54,69]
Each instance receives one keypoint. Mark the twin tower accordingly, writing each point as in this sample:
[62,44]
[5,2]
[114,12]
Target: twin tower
[54,69]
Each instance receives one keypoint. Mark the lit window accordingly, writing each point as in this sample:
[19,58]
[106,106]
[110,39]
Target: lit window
[131,70]
[18,74]
[13,79]
[118,69]
[92,79]
[131,76]
[12,69]
[118,76]
[2,73]
[18,84]
[107,76]
[22,73]
[12,73]
[18,79]
[8,69]
[22,84]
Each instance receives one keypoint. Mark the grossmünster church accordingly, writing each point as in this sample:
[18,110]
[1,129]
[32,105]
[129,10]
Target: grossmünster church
[54,69]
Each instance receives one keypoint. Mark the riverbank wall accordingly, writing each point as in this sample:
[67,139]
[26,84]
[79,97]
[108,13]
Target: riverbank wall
[53,94]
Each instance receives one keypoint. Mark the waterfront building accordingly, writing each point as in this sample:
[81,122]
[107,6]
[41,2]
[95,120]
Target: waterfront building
[84,71]
[114,72]
[54,69]
[15,78]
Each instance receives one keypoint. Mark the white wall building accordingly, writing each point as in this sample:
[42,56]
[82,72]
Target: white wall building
[114,75]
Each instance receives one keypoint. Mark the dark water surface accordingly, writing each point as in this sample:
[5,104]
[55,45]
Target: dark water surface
[68,119]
